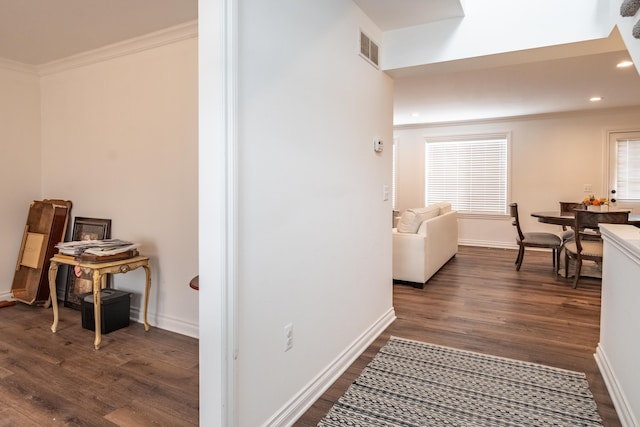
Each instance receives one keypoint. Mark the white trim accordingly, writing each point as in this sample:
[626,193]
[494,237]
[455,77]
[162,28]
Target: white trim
[489,244]
[172,324]
[138,44]
[617,396]
[6,64]
[297,405]
[217,74]
[230,319]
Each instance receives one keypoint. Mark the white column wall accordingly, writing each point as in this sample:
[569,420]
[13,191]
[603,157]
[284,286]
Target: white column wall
[314,245]
[20,161]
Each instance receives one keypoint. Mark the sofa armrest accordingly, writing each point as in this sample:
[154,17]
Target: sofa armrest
[409,251]
[441,235]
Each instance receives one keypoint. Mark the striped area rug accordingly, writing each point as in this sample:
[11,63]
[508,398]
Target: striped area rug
[409,383]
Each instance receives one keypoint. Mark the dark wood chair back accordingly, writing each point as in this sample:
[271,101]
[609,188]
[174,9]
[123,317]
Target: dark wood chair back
[568,208]
[513,211]
[590,220]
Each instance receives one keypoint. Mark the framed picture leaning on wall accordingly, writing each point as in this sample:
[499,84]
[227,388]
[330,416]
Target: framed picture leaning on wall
[79,281]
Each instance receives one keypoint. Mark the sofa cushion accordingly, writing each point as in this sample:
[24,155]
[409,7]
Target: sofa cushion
[412,218]
[444,207]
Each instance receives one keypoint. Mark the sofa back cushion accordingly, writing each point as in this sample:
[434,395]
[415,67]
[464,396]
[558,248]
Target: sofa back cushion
[444,207]
[412,218]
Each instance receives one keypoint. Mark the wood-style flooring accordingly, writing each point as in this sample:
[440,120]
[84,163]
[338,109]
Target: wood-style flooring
[479,302]
[476,302]
[137,378]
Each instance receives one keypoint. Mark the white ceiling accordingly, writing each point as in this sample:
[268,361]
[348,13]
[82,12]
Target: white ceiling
[394,14]
[538,81]
[36,32]
[560,78]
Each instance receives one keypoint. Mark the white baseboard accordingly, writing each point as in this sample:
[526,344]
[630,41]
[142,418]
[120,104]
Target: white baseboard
[627,419]
[307,396]
[488,244]
[162,322]
[167,323]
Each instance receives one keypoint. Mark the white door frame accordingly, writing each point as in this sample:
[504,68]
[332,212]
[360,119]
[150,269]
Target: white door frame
[610,159]
[217,71]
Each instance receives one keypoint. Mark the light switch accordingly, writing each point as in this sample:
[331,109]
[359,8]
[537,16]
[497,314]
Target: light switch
[385,193]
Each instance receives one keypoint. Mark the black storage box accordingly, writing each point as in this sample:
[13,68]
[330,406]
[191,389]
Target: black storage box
[114,310]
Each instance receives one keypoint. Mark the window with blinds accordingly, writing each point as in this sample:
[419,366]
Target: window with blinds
[627,180]
[469,172]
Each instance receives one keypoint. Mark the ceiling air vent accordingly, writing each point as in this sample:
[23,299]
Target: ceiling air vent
[368,49]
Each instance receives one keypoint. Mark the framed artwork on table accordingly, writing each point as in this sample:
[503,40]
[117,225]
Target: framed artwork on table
[79,281]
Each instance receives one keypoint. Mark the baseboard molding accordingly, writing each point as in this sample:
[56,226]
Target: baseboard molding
[167,323]
[618,397]
[488,244]
[307,396]
[136,315]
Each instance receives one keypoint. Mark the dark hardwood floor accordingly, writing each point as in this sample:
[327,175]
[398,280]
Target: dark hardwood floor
[476,302]
[479,302]
[137,378]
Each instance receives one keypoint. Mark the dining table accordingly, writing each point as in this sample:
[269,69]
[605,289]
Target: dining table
[568,220]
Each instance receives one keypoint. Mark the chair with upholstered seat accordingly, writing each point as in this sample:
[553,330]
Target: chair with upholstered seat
[587,244]
[535,240]
[568,209]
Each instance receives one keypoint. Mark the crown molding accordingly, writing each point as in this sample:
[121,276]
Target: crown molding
[6,64]
[138,44]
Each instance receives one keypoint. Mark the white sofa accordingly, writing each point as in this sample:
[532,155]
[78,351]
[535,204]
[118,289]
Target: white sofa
[424,240]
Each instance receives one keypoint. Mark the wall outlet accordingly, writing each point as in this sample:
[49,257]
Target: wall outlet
[588,188]
[288,336]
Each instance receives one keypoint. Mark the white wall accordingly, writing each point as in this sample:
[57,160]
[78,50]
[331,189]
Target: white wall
[314,238]
[119,139]
[552,157]
[20,162]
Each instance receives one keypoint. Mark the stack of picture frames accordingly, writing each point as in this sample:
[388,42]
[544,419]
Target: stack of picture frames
[79,281]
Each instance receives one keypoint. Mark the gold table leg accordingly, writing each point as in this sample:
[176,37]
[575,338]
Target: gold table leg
[96,308]
[53,272]
[147,271]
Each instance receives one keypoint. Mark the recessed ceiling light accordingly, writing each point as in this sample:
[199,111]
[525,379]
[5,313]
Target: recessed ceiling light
[624,64]
[415,114]
[595,98]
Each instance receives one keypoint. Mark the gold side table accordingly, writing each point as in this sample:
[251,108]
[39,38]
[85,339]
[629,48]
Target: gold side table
[99,272]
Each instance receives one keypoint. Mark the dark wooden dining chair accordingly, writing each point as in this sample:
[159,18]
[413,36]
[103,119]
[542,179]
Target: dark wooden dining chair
[568,209]
[535,240]
[587,244]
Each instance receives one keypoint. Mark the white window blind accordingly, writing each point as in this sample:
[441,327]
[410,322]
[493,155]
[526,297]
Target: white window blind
[628,170]
[469,172]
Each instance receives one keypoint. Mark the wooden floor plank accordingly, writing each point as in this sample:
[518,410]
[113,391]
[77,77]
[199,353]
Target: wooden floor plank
[136,378]
[476,302]
[479,302]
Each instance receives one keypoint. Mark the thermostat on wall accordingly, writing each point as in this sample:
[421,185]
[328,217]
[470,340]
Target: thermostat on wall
[377,145]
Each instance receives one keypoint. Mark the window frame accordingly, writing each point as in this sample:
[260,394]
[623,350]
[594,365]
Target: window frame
[506,135]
